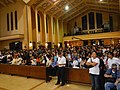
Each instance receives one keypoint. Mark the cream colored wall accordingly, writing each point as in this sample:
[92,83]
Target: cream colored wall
[60,31]
[65,29]
[21,9]
[12,8]
[42,29]
[33,25]
[26,41]
[55,33]
[105,16]
[115,19]
[71,24]
[5,44]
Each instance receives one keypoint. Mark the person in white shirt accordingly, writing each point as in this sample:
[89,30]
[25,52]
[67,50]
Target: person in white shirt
[75,63]
[33,61]
[46,60]
[15,60]
[112,60]
[61,69]
[94,71]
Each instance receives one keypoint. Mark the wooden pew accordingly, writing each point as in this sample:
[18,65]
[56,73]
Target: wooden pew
[73,74]
[78,75]
[24,70]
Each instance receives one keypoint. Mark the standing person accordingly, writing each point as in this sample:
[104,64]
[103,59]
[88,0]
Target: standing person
[61,69]
[94,71]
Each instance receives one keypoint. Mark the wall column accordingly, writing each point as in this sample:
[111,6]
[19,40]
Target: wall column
[88,23]
[65,28]
[95,21]
[46,36]
[52,34]
[55,32]
[61,32]
[58,32]
[28,40]
[42,29]
[36,17]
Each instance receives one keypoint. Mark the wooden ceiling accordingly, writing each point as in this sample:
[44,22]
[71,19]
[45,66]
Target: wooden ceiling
[4,3]
[56,8]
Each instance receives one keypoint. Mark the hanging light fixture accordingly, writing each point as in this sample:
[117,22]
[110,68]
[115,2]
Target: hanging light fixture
[66,7]
[54,0]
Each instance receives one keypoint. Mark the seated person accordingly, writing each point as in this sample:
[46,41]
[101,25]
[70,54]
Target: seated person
[75,63]
[117,83]
[16,60]
[111,76]
[33,61]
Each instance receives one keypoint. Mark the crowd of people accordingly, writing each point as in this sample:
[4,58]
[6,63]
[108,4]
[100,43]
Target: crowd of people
[100,58]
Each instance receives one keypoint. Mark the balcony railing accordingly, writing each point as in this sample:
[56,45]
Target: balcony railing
[93,31]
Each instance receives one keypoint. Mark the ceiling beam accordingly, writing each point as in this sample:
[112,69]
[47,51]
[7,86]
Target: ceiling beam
[89,5]
[3,3]
[12,1]
[75,11]
[31,2]
[71,8]
[98,2]
[75,15]
[105,10]
[40,4]
[88,9]
[52,5]
[58,10]
[106,7]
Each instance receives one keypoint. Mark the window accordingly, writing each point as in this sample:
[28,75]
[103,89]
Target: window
[11,20]
[111,23]
[91,20]
[53,26]
[46,24]
[99,20]
[8,21]
[16,26]
[84,22]
[38,22]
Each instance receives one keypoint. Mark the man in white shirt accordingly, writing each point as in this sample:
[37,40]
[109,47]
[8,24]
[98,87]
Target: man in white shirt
[94,71]
[75,63]
[61,69]
[112,60]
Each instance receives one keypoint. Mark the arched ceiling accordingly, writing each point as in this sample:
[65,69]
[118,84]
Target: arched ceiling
[56,8]
[4,3]
[76,7]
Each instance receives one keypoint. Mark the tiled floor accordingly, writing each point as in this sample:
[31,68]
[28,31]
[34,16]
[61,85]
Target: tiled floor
[8,82]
